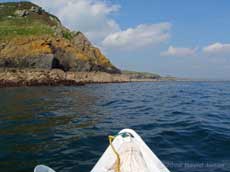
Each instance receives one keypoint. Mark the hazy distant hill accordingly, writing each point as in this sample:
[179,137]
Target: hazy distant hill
[141,75]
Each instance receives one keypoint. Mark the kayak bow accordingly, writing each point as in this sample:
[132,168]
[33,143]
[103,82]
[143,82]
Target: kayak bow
[127,152]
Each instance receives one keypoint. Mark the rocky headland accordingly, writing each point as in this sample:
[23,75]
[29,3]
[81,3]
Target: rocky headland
[36,49]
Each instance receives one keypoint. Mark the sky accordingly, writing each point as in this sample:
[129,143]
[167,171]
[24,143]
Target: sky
[180,38]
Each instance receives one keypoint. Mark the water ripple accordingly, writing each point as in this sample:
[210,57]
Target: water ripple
[187,124]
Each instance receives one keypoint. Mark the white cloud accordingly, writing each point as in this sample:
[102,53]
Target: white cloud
[89,16]
[179,52]
[94,19]
[141,36]
[217,48]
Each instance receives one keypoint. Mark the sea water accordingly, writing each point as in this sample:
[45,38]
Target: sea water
[186,124]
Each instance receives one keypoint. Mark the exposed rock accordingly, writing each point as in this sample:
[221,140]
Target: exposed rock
[48,53]
[85,46]
[22,13]
[41,61]
[36,9]
[2,45]
[81,41]
[55,20]
[15,78]
[36,77]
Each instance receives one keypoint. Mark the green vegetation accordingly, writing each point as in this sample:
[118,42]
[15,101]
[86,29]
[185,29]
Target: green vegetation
[24,19]
[9,31]
[67,35]
[142,75]
[9,8]
[8,11]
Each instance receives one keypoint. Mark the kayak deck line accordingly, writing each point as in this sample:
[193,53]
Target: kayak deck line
[127,152]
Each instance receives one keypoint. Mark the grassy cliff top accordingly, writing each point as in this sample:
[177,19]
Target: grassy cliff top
[32,12]
[25,18]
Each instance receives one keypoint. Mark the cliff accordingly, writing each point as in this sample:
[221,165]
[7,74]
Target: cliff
[36,49]
[31,38]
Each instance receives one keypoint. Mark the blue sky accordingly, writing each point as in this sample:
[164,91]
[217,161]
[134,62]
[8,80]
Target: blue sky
[180,38]
[206,19]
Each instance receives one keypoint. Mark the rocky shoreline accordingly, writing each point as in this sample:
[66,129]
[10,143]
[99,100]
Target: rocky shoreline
[56,77]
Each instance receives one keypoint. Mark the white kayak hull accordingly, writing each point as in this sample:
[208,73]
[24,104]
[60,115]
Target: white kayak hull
[135,156]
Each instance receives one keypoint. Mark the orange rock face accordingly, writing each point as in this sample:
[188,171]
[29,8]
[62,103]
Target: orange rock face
[22,51]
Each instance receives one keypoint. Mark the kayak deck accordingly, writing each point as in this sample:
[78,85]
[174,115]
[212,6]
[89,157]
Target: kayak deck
[134,154]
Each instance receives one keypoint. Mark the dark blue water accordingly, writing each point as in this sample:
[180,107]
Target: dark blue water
[186,124]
